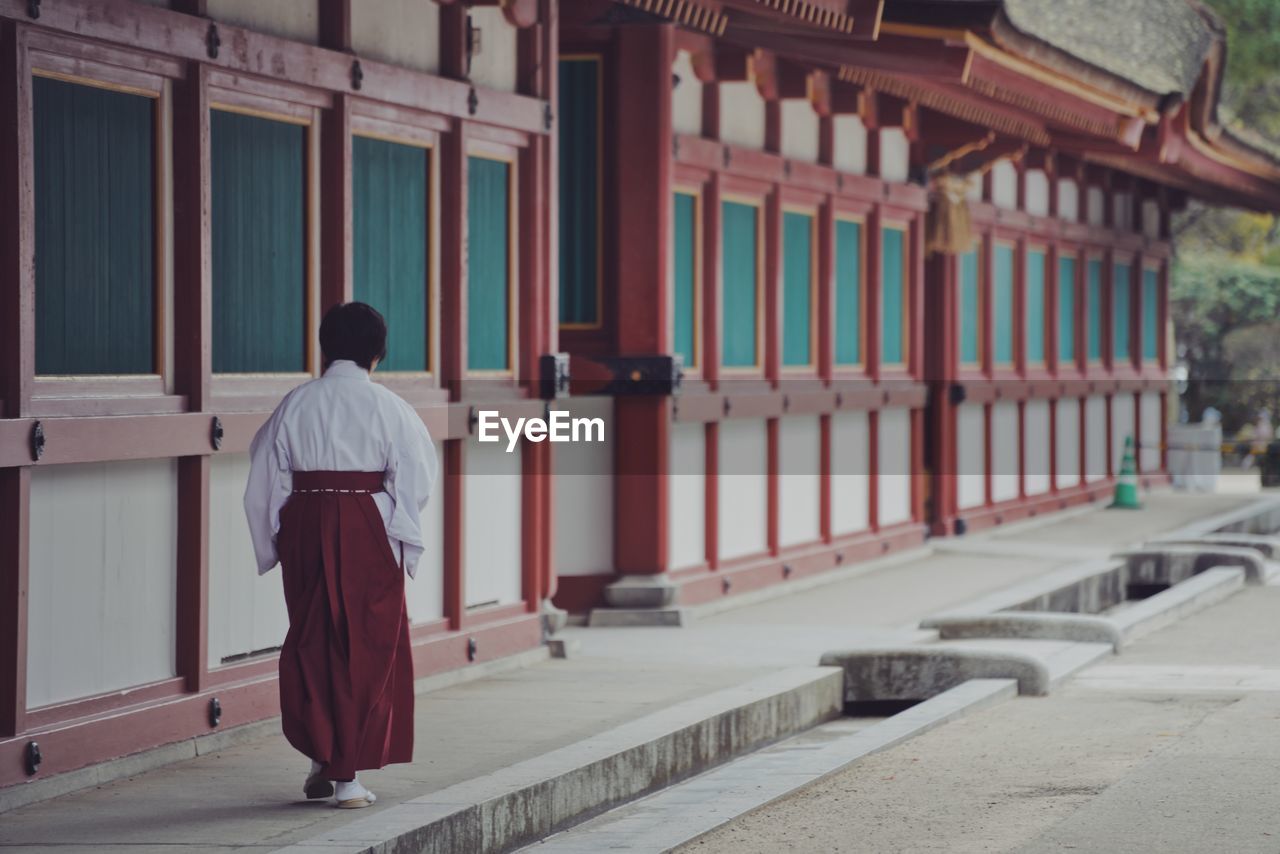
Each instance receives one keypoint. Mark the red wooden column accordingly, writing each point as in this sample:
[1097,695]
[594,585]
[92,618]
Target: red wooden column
[712,243]
[17,227]
[336,284]
[916,320]
[643,239]
[875,278]
[941,297]
[193,365]
[537,74]
[17,364]
[772,321]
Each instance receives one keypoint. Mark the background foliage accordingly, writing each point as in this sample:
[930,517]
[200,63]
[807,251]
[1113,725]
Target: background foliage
[1225,300]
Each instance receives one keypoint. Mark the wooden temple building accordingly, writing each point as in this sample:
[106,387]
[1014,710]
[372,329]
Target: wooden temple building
[840,275]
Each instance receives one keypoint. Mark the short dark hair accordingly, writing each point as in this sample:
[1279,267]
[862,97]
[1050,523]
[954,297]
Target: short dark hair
[354,331]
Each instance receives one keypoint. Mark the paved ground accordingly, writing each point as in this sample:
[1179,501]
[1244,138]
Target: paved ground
[244,797]
[1173,747]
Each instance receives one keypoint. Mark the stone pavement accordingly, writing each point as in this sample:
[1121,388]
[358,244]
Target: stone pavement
[1173,747]
[245,797]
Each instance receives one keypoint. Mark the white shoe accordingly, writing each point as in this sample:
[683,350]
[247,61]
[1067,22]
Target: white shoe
[353,796]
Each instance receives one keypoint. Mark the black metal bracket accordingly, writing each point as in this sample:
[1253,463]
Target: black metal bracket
[956,394]
[961,526]
[357,75]
[728,157]
[473,649]
[548,118]
[33,12]
[215,712]
[473,101]
[553,375]
[33,758]
[216,433]
[473,419]
[212,41]
[37,441]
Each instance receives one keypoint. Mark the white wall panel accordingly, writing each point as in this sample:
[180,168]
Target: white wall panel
[850,153]
[1036,413]
[491,524]
[1151,218]
[799,130]
[292,19]
[1152,422]
[799,480]
[895,154]
[1095,438]
[850,465]
[893,478]
[1122,211]
[686,100]
[1067,418]
[1068,200]
[424,594]
[401,32]
[687,496]
[494,66]
[741,114]
[246,611]
[743,496]
[1095,206]
[971,455]
[1004,185]
[1122,425]
[1005,476]
[102,583]
[1037,192]
[583,490]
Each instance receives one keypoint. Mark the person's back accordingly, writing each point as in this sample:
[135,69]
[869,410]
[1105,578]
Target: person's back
[338,480]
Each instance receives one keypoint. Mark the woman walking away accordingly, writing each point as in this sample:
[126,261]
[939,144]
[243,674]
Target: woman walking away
[339,476]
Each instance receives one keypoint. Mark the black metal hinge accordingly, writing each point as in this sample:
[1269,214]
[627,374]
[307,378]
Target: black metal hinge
[37,441]
[357,75]
[212,41]
[216,433]
[553,375]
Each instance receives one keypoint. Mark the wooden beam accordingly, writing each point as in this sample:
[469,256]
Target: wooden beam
[199,8]
[980,160]
[867,16]
[192,263]
[847,99]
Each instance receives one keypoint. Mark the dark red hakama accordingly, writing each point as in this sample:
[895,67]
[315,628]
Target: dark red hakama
[346,668]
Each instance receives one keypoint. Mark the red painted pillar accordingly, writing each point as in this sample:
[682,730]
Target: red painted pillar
[643,239]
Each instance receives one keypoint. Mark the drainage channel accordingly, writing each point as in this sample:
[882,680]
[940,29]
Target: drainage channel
[682,813]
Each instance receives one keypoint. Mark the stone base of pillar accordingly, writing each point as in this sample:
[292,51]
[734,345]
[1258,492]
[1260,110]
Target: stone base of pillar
[639,600]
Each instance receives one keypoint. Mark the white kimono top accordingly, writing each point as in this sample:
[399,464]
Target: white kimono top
[342,421]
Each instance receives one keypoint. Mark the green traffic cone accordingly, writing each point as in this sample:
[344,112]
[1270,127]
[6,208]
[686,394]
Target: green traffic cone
[1126,497]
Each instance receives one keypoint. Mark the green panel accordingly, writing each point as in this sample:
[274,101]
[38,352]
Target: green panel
[1066,309]
[1120,287]
[893,289]
[1150,315]
[488,265]
[1093,272]
[258,169]
[579,129]
[740,274]
[1035,306]
[848,292]
[797,288]
[686,276]
[1003,284]
[970,313]
[94,230]
[389,235]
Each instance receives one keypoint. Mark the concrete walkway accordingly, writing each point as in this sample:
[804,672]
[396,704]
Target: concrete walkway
[1172,747]
[246,797]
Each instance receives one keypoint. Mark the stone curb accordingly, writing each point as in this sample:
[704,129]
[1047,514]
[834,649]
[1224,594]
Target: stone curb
[1181,600]
[1029,625]
[922,672]
[535,798]
[1268,545]
[677,816]
[1157,563]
